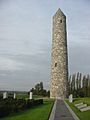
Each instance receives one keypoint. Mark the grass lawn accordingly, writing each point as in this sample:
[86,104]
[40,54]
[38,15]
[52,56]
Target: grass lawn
[37,113]
[81,115]
[26,96]
[22,95]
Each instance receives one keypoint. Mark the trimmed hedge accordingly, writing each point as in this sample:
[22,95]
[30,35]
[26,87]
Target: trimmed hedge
[10,106]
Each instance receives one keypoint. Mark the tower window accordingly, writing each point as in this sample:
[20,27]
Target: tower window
[55,64]
[60,21]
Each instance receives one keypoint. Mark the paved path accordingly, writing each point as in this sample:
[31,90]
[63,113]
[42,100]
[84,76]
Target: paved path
[60,111]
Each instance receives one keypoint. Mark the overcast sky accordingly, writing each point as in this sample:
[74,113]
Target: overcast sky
[26,36]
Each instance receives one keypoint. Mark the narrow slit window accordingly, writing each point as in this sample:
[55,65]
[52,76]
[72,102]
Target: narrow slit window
[55,64]
[60,21]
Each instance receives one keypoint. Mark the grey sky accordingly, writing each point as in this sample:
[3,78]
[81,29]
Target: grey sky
[25,40]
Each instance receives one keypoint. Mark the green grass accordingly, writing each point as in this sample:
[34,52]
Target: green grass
[37,113]
[82,115]
[26,96]
[22,95]
[37,96]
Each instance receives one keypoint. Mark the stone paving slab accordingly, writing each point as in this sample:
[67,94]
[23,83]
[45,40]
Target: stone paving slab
[62,112]
[85,109]
[78,104]
[82,106]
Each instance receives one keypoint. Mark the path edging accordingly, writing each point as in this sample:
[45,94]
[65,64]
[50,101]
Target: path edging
[52,115]
[71,111]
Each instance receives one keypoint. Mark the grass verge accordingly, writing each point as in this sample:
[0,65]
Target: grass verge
[82,115]
[37,113]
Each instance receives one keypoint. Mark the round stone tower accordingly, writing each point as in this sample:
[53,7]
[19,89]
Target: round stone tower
[59,70]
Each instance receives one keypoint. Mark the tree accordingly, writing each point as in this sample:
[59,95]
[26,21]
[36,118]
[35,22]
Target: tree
[39,90]
[41,85]
[79,86]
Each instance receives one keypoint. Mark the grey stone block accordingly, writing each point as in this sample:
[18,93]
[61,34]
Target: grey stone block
[82,106]
[78,104]
[85,109]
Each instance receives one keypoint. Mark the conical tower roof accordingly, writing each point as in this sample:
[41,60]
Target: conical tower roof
[59,13]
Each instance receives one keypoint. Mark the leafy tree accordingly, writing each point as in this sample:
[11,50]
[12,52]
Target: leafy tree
[39,90]
[79,85]
[41,85]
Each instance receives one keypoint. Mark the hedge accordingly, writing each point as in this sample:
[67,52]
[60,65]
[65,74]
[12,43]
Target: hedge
[10,106]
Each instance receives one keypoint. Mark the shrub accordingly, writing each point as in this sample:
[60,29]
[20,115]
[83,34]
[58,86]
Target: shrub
[10,105]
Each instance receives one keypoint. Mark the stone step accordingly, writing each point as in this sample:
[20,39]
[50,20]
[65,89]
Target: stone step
[85,109]
[78,104]
[82,106]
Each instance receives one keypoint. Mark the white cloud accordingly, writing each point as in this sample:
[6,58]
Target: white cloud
[9,64]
